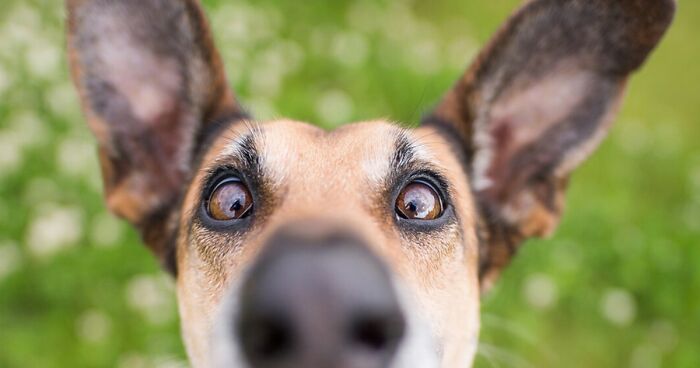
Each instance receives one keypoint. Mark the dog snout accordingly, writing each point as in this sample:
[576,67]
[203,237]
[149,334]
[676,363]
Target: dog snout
[319,300]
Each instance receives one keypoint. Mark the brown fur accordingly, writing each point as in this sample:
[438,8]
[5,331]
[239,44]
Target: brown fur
[137,149]
[597,43]
[503,142]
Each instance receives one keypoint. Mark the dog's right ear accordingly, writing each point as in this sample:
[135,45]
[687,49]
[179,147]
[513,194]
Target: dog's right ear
[152,85]
[537,101]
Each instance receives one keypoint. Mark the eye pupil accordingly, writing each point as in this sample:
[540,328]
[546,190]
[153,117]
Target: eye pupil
[230,200]
[419,201]
[412,207]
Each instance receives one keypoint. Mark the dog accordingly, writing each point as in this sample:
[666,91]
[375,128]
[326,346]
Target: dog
[366,246]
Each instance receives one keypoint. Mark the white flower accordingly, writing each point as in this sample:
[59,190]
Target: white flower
[76,157]
[106,230]
[540,291]
[350,48]
[153,297]
[618,306]
[334,107]
[54,229]
[93,326]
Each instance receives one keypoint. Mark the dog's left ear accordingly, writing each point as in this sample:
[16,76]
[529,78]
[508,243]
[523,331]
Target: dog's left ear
[536,103]
[153,89]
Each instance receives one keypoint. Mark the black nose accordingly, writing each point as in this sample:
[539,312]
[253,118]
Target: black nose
[319,301]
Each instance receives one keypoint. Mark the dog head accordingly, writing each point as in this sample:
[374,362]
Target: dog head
[366,246]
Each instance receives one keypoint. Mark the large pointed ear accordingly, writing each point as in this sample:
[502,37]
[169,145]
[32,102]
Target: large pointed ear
[536,103]
[152,86]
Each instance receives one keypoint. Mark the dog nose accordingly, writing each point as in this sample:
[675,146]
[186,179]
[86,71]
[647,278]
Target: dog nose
[319,302]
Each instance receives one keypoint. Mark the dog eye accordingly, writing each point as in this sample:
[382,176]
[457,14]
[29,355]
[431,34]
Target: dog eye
[230,200]
[419,201]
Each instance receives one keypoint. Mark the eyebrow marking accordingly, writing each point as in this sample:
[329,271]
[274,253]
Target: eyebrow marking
[404,153]
[411,158]
[244,151]
[248,153]
[411,155]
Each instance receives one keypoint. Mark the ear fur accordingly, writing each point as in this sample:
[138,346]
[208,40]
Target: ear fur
[536,102]
[151,84]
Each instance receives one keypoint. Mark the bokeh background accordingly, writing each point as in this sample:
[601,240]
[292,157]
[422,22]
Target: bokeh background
[618,286]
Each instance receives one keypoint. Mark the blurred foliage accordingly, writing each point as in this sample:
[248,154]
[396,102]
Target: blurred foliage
[618,286]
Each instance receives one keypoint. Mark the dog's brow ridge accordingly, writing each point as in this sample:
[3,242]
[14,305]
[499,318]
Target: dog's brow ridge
[410,156]
[243,151]
[404,153]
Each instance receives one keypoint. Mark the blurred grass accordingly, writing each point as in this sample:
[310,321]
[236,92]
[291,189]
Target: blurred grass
[619,284]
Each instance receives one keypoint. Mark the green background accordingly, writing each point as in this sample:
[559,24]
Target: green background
[618,286]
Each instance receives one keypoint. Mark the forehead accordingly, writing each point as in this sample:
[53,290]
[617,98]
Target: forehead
[290,152]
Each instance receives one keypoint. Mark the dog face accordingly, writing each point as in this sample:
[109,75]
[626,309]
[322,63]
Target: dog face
[366,246]
[367,171]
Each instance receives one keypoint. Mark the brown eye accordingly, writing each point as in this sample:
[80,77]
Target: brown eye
[230,200]
[419,201]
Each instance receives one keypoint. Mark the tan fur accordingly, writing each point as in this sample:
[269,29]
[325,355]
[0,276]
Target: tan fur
[536,102]
[438,273]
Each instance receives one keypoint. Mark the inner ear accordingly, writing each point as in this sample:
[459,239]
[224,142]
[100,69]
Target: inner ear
[542,130]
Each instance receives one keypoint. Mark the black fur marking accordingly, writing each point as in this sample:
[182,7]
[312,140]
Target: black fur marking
[404,153]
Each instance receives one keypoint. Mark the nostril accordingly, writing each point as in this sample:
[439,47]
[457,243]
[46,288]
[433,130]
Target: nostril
[377,333]
[326,302]
[266,339]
